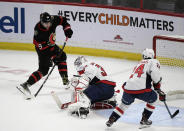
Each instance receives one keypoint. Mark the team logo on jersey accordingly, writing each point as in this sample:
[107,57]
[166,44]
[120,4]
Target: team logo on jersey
[52,38]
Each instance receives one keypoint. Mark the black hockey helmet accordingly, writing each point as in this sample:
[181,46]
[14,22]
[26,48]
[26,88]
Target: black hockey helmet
[45,17]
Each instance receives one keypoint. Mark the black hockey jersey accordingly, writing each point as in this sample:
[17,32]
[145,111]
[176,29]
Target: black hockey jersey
[45,38]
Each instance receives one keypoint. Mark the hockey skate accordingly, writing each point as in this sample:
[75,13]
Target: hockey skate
[24,89]
[144,123]
[110,122]
[113,118]
[65,82]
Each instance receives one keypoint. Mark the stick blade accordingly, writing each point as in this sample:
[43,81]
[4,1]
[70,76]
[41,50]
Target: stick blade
[175,113]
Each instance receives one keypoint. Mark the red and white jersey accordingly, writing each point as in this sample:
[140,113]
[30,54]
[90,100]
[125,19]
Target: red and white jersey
[93,70]
[146,72]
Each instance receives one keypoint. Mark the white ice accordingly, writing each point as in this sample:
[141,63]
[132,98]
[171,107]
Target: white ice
[42,114]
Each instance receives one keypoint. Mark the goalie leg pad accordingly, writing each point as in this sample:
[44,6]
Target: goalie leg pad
[81,101]
[107,104]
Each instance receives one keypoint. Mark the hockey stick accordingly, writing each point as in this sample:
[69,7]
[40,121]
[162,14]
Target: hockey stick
[58,102]
[171,115]
[50,70]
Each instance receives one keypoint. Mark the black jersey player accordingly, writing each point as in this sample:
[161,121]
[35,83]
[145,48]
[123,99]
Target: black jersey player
[47,50]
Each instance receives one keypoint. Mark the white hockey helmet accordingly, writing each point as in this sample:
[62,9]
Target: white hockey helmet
[80,62]
[148,54]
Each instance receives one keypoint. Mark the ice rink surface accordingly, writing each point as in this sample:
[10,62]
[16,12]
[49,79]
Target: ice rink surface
[42,114]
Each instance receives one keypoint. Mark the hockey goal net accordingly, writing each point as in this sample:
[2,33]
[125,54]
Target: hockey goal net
[169,50]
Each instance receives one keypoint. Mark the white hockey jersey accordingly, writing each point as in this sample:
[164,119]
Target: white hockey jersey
[94,71]
[140,81]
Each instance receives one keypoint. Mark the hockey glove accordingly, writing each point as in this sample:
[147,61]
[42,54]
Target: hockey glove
[162,95]
[68,32]
[156,86]
[57,52]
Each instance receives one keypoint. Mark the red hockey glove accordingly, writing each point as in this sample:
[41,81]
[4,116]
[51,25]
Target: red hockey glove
[156,86]
[162,95]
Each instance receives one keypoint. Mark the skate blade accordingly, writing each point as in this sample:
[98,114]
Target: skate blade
[144,126]
[20,90]
[26,97]
[29,97]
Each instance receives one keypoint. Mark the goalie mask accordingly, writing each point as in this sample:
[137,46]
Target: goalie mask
[148,54]
[80,62]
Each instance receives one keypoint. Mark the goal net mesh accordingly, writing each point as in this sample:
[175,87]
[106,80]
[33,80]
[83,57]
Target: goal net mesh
[169,51]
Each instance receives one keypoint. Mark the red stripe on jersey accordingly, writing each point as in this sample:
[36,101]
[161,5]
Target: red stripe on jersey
[62,63]
[81,72]
[51,49]
[44,48]
[119,110]
[35,42]
[150,106]
[34,77]
[61,20]
[67,27]
[54,56]
[40,74]
[78,88]
[136,91]
[62,69]
[107,82]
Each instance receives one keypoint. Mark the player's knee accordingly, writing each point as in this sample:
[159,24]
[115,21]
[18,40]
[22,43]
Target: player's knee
[127,102]
[44,70]
[127,99]
[153,97]
[63,57]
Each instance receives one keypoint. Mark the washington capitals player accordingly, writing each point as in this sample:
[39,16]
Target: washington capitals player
[139,86]
[47,50]
[92,87]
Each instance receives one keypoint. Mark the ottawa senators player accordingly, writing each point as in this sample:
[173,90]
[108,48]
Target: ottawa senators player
[47,50]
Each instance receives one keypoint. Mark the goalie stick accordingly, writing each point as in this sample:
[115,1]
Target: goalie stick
[58,102]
